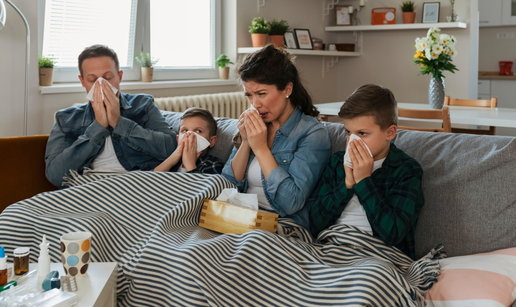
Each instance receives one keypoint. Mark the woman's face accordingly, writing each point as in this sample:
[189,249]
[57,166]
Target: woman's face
[268,100]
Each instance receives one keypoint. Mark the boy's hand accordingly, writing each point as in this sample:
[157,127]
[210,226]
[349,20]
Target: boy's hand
[178,153]
[350,179]
[190,154]
[362,162]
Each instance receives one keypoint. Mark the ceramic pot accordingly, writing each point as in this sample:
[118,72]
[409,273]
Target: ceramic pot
[45,76]
[409,17]
[147,73]
[259,40]
[276,40]
[224,72]
[436,93]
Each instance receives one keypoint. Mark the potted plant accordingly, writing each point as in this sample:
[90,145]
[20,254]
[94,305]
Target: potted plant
[145,61]
[259,29]
[408,7]
[46,70]
[278,30]
[221,62]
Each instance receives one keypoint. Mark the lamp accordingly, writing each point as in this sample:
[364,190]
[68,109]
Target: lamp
[3,15]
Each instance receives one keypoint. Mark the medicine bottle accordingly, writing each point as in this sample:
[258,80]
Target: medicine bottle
[21,260]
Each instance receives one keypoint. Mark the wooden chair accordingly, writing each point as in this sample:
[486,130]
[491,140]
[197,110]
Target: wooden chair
[488,103]
[443,115]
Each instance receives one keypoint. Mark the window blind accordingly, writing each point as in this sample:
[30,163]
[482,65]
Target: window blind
[72,25]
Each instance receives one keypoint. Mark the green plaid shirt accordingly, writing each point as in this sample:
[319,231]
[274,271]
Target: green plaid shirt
[392,198]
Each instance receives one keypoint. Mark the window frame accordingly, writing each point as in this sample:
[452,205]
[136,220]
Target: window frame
[142,43]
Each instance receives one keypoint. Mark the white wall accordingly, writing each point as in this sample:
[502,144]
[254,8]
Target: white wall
[492,50]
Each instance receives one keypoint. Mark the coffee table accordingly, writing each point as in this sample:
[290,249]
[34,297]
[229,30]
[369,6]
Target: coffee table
[97,288]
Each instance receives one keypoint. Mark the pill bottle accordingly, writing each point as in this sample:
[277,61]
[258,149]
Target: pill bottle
[21,260]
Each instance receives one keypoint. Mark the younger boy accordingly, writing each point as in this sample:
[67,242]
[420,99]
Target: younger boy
[198,128]
[381,194]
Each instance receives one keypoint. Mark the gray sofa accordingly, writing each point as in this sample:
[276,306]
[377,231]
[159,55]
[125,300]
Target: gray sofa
[469,183]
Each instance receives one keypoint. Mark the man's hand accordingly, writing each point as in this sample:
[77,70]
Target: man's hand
[362,162]
[190,154]
[98,107]
[112,104]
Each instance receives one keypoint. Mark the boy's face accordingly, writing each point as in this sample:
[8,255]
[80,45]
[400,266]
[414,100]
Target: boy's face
[374,137]
[199,125]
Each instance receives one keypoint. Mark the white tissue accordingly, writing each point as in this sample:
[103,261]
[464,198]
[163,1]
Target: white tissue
[253,108]
[90,93]
[347,160]
[202,143]
[240,199]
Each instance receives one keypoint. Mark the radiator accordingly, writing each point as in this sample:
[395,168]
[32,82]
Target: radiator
[220,105]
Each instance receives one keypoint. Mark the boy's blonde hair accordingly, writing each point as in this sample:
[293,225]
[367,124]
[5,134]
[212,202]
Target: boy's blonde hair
[204,114]
[372,100]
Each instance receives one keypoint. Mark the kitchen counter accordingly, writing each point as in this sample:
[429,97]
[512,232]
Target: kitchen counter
[493,75]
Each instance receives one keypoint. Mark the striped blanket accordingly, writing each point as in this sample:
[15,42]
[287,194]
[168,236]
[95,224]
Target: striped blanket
[147,222]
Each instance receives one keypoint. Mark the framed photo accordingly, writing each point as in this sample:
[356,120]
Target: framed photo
[303,39]
[290,40]
[342,16]
[431,12]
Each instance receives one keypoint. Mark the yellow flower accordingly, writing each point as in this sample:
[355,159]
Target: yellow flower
[418,54]
[421,64]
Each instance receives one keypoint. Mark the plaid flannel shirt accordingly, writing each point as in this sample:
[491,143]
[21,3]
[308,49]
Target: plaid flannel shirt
[392,198]
[206,164]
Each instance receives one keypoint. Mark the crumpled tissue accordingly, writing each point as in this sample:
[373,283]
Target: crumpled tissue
[90,93]
[240,199]
[347,159]
[202,143]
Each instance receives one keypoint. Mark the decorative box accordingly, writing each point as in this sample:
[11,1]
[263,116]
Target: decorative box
[224,217]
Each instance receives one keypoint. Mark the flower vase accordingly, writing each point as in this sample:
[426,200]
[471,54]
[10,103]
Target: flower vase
[436,93]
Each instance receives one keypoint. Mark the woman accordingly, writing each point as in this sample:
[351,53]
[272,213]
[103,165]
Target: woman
[283,147]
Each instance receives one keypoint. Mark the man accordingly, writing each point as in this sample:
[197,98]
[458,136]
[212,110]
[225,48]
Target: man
[119,131]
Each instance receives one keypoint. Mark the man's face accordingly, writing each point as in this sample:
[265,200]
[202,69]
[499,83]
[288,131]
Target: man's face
[104,67]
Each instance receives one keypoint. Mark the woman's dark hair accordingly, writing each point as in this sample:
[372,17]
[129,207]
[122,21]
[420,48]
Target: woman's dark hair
[274,66]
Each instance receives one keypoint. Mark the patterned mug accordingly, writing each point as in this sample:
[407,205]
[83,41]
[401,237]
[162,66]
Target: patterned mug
[76,252]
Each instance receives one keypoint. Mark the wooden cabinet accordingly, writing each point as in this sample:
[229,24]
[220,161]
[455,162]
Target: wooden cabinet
[490,13]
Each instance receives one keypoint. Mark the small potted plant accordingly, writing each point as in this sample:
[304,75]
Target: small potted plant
[46,70]
[222,61]
[278,30]
[145,61]
[259,29]
[408,7]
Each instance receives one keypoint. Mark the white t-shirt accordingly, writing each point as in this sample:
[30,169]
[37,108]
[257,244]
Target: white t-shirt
[107,158]
[181,169]
[354,213]
[254,184]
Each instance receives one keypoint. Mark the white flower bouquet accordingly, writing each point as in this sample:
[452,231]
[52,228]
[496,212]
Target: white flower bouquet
[434,53]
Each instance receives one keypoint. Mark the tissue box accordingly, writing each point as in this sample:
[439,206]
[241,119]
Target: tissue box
[224,217]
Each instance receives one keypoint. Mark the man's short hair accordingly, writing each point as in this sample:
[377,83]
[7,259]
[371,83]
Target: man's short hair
[204,114]
[96,51]
[372,100]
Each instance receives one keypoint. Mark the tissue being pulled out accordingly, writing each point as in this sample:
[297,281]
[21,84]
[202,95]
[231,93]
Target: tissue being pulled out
[90,93]
[240,199]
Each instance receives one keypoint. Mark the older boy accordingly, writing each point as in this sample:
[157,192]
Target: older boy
[381,194]
[198,128]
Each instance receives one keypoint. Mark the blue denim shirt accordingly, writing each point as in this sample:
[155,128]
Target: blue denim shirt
[141,139]
[302,150]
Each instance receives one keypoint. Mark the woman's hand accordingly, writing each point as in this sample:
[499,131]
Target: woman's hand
[256,132]
[241,126]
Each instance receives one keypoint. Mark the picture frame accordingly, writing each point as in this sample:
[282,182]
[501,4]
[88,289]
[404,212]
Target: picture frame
[290,40]
[303,39]
[431,12]
[342,16]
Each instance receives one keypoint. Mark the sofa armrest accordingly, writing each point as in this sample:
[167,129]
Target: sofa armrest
[22,164]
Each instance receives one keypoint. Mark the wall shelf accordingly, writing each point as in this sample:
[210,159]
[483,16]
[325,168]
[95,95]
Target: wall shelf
[246,50]
[413,26]
[330,58]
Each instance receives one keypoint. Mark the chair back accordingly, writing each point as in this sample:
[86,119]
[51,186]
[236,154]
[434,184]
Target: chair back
[486,103]
[443,115]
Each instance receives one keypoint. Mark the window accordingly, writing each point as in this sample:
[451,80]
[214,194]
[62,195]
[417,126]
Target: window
[183,35]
